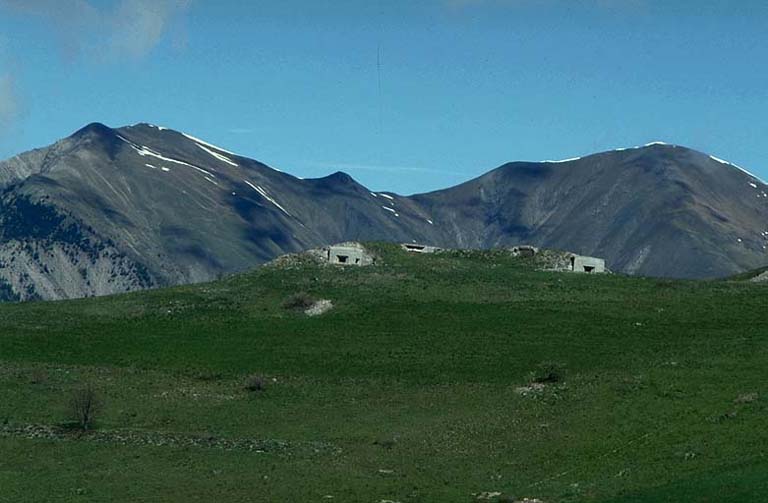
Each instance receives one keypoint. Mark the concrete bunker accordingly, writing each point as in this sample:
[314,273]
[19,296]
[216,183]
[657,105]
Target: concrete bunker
[588,265]
[348,254]
[419,248]
[524,251]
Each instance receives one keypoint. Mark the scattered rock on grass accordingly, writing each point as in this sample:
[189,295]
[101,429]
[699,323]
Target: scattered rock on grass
[501,497]
[531,389]
[161,439]
[747,398]
[488,495]
[319,307]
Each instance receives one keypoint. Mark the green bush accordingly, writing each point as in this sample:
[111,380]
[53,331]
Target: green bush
[547,373]
[256,383]
[298,302]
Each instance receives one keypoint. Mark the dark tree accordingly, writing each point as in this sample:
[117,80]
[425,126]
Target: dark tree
[84,405]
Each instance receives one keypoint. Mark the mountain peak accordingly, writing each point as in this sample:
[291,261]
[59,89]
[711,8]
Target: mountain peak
[339,177]
[148,125]
[99,136]
[658,144]
[94,128]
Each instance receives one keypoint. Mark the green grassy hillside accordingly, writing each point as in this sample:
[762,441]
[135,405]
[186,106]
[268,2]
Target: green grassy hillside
[415,387]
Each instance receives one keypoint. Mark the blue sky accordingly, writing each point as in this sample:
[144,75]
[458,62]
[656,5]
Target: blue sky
[404,95]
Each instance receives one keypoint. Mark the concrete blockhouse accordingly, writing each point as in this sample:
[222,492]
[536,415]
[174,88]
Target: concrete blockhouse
[417,248]
[348,254]
[524,251]
[589,265]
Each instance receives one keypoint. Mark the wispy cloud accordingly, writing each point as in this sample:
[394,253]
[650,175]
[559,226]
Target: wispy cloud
[140,24]
[9,103]
[131,28]
[96,32]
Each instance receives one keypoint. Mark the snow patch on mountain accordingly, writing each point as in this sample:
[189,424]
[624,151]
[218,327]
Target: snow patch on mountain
[266,196]
[390,209]
[218,156]
[210,145]
[146,151]
[563,160]
[727,163]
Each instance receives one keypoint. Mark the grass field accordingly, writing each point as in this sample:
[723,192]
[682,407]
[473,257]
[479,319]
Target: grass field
[413,388]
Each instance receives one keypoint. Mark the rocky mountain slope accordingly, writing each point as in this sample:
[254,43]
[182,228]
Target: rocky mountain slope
[111,210]
[659,210]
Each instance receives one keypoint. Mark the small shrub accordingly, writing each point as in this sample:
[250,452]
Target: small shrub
[547,373]
[298,302]
[207,375]
[84,404]
[38,376]
[255,383]
[388,443]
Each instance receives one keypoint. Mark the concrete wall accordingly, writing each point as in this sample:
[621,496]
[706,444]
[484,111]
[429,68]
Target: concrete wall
[524,251]
[349,255]
[591,265]
[417,248]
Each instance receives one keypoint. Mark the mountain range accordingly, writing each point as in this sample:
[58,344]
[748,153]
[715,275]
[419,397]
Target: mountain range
[113,210]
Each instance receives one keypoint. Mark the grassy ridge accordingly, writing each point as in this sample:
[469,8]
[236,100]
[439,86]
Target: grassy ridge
[407,390]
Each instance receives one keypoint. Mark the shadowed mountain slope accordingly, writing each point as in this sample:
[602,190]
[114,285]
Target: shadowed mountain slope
[659,210]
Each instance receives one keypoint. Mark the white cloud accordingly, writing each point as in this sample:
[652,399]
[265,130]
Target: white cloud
[131,28]
[139,25]
[93,30]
